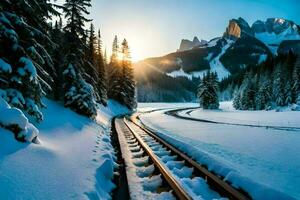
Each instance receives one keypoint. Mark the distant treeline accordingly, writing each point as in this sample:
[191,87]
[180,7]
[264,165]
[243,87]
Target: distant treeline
[275,82]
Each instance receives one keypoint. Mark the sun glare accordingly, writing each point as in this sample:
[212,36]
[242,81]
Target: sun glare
[136,56]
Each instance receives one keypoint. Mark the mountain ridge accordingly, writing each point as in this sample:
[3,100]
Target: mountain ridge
[239,46]
[186,44]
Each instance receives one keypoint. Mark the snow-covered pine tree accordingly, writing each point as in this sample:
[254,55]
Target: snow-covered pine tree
[247,92]
[288,97]
[79,95]
[101,83]
[23,31]
[278,85]
[264,93]
[296,81]
[288,66]
[208,91]
[237,99]
[128,82]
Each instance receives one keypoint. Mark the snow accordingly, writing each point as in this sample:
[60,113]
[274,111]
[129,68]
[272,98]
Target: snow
[213,42]
[262,58]
[4,66]
[14,117]
[140,185]
[181,73]
[144,107]
[227,114]
[29,67]
[70,70]
[74,160]
[11,115]
[209,56]
[113,109]
[273,40]
[14,96]
[254,159]
[217,66]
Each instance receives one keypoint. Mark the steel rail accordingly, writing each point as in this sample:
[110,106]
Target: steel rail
[219,185]
[173,183]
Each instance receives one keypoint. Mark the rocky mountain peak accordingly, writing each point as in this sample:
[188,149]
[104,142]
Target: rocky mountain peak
[275,25]
[237,28]
[187,44]
[196,40]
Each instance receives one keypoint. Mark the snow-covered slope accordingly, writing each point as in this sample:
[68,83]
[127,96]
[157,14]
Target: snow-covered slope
[73,161]
[217,66]
[181,73]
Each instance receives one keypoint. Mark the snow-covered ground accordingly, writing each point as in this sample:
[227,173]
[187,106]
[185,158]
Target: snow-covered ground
[264,162]
[227,114]
[144,107]
[73,161]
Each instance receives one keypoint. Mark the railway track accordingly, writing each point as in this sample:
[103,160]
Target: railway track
[181,176]
[175,113]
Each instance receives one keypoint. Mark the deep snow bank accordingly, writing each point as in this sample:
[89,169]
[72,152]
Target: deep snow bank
[14,120]
[75,159]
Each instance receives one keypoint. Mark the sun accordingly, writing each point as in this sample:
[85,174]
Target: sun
[136,56]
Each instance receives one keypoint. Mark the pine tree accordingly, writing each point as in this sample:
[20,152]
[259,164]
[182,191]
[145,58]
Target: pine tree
[114,74]
[57,55]
[24,40]
[101,83]
[278,85]
[92,43]
[264,94]
[296,81]
[105,57]
[90,61]
[208,91]
[79,95]
[288,93]
[60,24]
[237,100]
[248,92]
[128,82]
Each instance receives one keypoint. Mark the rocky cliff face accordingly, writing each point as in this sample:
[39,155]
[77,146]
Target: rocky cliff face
[237,28]
[187,44]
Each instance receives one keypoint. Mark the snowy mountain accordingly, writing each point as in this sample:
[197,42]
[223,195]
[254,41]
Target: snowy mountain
[239,46]
[274,31]
[188,45]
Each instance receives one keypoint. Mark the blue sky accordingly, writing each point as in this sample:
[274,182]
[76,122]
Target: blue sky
[156,27]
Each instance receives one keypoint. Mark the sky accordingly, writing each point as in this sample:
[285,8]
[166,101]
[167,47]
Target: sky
[156,27]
